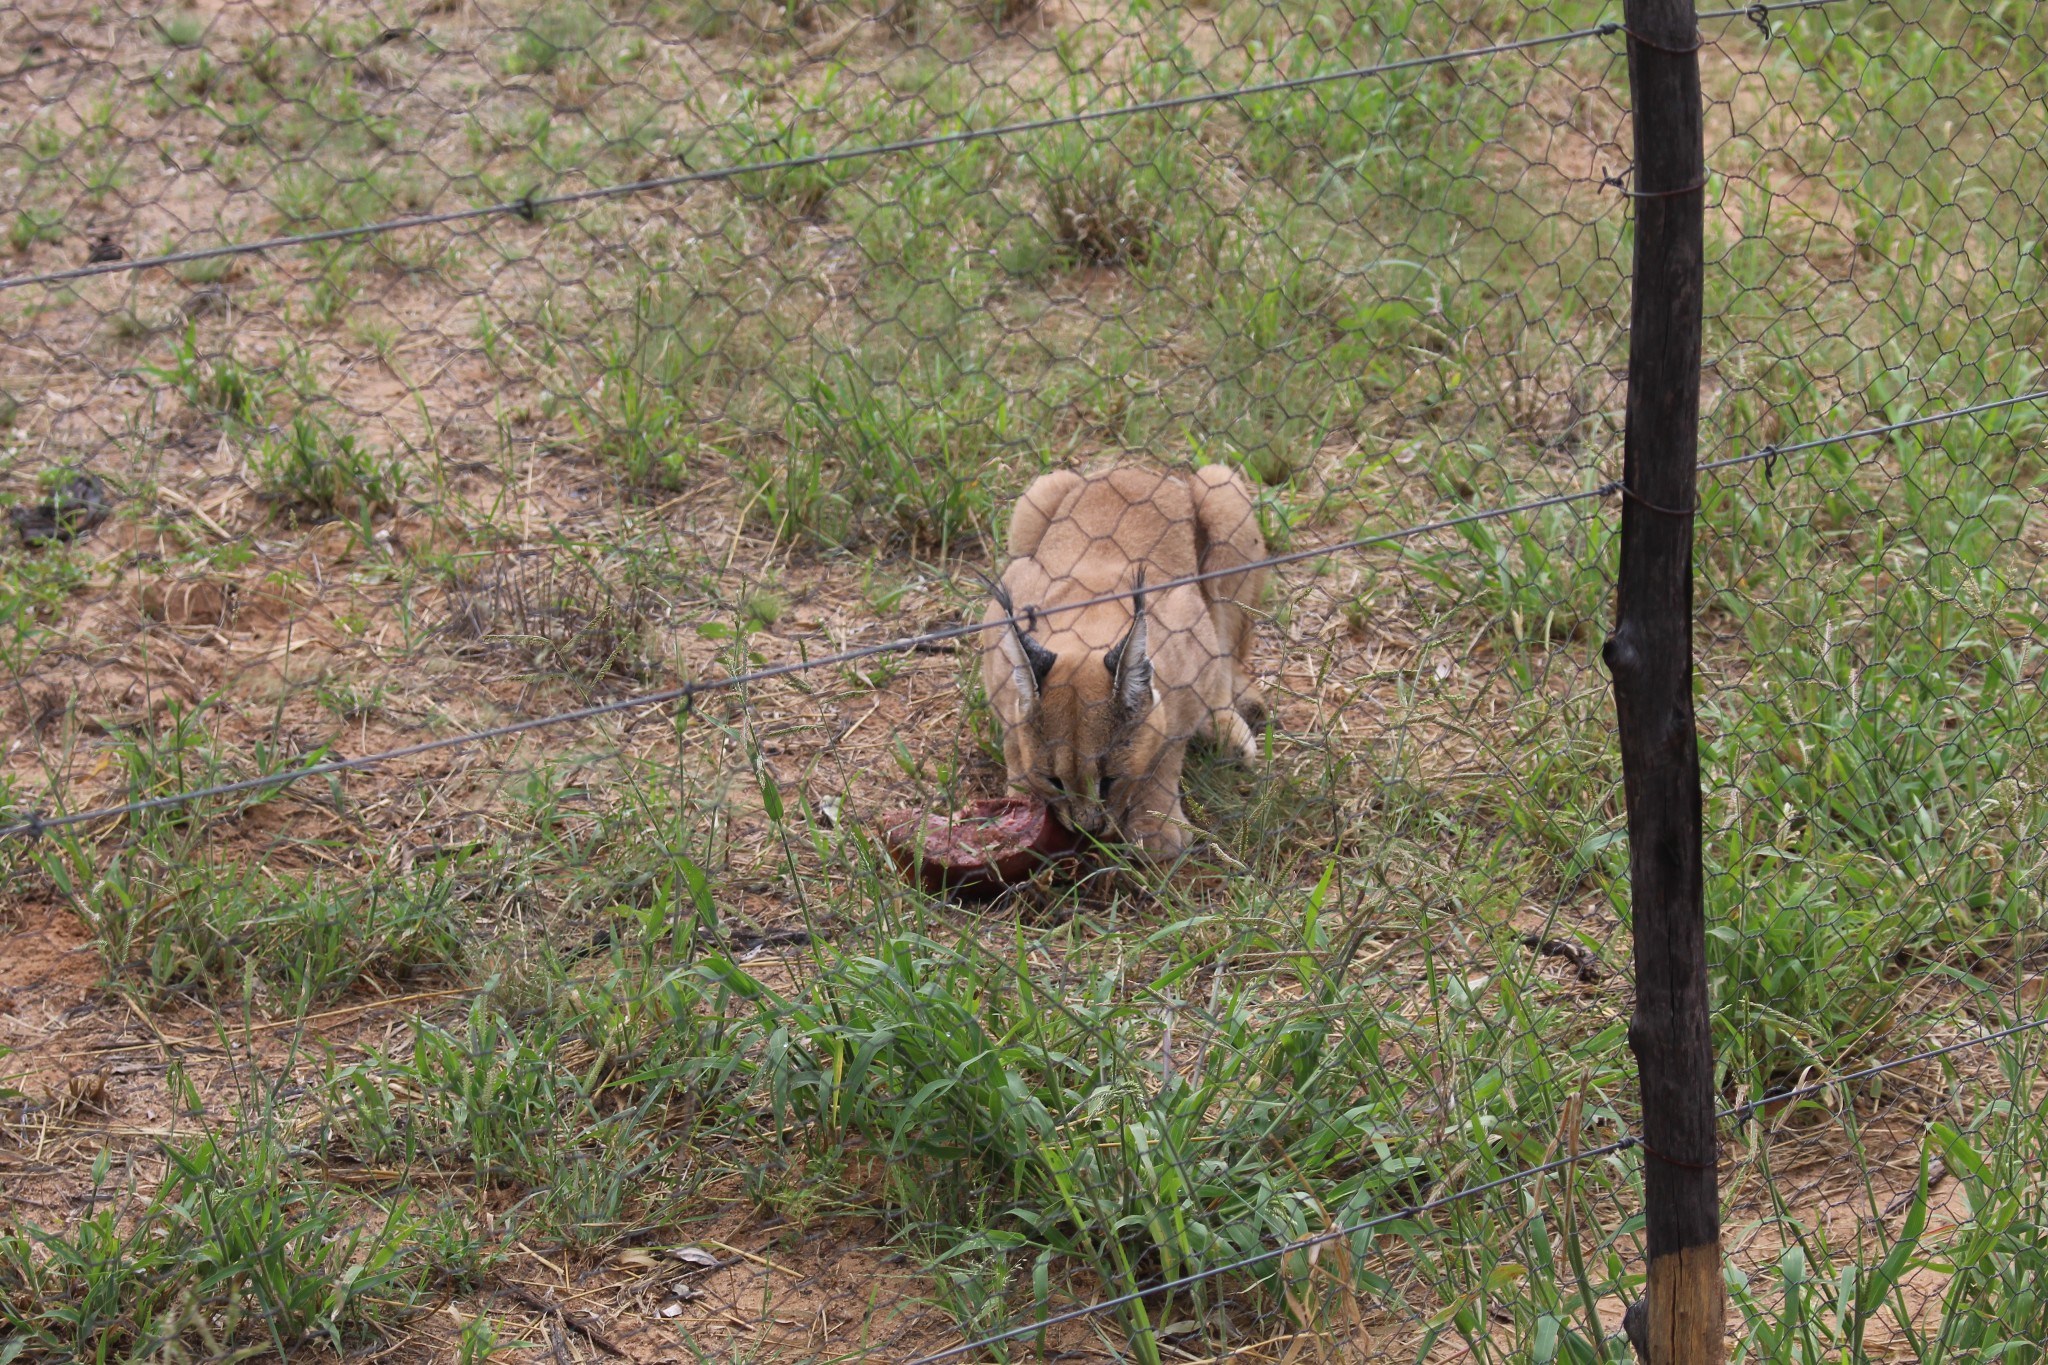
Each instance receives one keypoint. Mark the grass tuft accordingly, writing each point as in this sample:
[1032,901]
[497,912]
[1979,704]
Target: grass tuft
[315,473]
[237,1248]
[562,617]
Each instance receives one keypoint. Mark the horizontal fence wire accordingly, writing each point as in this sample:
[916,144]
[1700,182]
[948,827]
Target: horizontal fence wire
[529,206]
[686,692]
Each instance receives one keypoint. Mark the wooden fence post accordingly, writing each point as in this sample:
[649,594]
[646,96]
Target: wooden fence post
[1650,659]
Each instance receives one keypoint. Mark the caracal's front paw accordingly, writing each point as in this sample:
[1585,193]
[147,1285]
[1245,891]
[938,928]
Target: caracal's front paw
[1160,838]
[1251,704]
[1235,739]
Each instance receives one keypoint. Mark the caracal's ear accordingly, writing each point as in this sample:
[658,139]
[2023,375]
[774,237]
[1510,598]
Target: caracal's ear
[1030,662]
[1130,666]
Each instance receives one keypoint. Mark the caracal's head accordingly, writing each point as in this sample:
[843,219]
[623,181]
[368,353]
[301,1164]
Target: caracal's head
[1076,724]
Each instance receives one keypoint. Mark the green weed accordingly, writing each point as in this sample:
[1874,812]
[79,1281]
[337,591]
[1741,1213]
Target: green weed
[236,1248]
[180,924]
[314,472]
[797,192]
[32,227]
[33,591]
[217,383]
[1861,832]
[554,35]
[1014,1118]
[561,616]
[1340,128]
[1994,1307]
[1540,580]
[873,461]
[642,411]
[1106,194]
[182,28]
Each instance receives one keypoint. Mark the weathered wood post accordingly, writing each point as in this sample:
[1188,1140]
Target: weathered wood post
[1650,659]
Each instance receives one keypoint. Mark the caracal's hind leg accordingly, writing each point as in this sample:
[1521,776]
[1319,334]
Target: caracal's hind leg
[1036,509]
[1227,537]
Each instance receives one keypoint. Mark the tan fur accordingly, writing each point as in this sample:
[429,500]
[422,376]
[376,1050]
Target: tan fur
[1074,538]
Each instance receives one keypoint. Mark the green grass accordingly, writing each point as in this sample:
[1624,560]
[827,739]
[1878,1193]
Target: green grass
[1105,194]
[31,228]
[1878,829]
[236,1243]
[872,460]
[556,34]
[751,138]
[181,29]
[215,383]
[34,590]
[313,471]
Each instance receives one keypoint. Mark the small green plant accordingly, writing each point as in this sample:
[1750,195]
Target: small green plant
[236,1248]
[1865,837]
[337,281]
[175,924]
[1093,208]
[171,758]
[102,176]
[643,410]
[209,270]
[1339,125]
[761,609]
[883,591]
[32,227]
[973,1091]
[315,472]
[799,191]
[182,28]
[1542,580]
[557,34]
[869,461]
[176,87]
[33,590]
[492,1093]
[1107,195]
[478,1342]
[638,419]
[1003,13]
[1996,1305]
[352,700]
[42,145]
[218,383]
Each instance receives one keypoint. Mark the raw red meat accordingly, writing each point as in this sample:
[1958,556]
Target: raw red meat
[987,844]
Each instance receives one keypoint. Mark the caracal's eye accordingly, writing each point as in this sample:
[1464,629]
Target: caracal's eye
[1056,785]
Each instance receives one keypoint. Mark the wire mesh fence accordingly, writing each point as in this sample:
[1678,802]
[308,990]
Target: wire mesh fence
[572,485]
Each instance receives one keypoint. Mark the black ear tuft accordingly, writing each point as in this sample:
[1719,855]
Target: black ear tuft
[1041,658]
[998,592]
[1038,660]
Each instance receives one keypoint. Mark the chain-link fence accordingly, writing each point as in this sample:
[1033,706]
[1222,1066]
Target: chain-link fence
[540,473]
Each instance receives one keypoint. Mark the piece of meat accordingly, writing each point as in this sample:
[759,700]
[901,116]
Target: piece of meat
[986,845]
